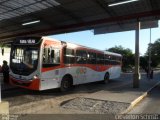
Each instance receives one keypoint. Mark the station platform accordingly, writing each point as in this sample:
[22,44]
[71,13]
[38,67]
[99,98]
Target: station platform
[125,93]
[119,90]
[4,105]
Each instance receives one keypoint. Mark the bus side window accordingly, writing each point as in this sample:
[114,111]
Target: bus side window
[107,59]
[81,57]
[100,58]
[91,58]
[52,53]
[45,55]
[57,56]
[112,60]
[69,57]
[51,57]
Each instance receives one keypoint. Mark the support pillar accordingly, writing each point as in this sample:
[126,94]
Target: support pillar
[0,90]
[1,79]
[149,57]
[136,72]
[4,105]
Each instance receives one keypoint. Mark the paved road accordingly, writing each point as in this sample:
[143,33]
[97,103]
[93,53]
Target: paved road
[148,108]
[150,105]
[18,96]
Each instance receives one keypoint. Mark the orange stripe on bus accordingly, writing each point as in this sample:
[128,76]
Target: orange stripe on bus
[99,68]
[34,85]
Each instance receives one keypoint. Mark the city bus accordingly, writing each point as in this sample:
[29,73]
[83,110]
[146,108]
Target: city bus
[40,63]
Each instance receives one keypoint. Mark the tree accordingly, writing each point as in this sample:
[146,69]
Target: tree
[144,62]
[119,49]
[128,56]
[155,53]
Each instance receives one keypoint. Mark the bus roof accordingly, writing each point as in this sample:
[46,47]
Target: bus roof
[106,52]
[112,53]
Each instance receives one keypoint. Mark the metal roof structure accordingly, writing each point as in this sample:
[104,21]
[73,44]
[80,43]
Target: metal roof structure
[59,16]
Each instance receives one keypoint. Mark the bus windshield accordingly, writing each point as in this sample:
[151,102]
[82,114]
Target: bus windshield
[24,59]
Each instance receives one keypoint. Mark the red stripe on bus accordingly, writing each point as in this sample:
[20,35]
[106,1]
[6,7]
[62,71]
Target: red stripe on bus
[99,68]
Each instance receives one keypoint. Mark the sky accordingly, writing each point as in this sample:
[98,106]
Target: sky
[105,41]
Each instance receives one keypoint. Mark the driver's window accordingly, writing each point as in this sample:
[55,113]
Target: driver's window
[27,57]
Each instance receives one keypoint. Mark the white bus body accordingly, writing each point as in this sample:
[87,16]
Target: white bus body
[45,63]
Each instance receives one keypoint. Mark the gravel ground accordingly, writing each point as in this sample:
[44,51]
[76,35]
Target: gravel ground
[95,106]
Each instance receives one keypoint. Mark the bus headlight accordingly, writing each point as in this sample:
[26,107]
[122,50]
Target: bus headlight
[35,77]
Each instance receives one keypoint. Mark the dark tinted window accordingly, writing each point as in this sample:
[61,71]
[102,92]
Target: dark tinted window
[81,57]
[115,60]
[107,59]
[91,58]
[100,58]
[69,57]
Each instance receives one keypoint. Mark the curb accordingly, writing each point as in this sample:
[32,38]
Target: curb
[4,108]
[137,100]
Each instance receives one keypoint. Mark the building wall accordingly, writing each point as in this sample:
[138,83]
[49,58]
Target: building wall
[6,55]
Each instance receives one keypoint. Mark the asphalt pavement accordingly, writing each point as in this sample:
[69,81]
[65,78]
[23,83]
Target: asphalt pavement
[120,90]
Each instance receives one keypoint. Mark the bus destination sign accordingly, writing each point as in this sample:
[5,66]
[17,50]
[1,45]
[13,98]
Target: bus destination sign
[29,41]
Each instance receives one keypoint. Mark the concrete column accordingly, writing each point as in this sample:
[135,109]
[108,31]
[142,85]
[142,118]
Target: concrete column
[136,72]
[149,56]
[0,86]
[4,108]
[4,105]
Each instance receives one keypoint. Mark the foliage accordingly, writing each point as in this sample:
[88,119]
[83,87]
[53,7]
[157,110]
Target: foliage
[155,53]
[2,45]
[128,56]
[144,62]
[121,50]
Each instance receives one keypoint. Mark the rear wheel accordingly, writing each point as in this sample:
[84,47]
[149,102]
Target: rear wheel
[106,78]
[66,84]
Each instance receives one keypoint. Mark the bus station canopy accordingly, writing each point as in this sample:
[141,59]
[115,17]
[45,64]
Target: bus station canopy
[46,17]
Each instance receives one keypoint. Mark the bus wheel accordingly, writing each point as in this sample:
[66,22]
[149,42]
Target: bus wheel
[66,84]
[106,78]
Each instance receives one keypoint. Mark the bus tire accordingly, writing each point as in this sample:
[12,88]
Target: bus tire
[106,78]
[66,84]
